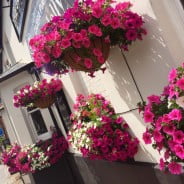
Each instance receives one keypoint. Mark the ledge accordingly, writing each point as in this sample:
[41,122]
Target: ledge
[14,70]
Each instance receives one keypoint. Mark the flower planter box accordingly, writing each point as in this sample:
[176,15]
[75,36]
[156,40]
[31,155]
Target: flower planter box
[105,172]
[56,174]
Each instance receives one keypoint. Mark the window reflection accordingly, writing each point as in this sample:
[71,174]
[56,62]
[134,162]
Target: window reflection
[38,122]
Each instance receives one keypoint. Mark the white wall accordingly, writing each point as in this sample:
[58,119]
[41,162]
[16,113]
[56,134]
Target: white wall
[20,50]
[16,118]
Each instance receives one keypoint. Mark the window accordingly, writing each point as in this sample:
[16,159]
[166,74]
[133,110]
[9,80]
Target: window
[63,110]
[38,122]
[182,2]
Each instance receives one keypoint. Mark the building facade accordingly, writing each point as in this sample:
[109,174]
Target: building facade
[125,82]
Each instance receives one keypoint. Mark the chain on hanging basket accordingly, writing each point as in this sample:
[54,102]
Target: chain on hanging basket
[82,53]
[44,102]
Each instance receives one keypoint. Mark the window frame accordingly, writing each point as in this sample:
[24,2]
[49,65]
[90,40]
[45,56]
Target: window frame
[19,33]
[44,136]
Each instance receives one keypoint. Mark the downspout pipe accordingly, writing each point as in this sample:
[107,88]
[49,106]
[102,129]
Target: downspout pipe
[1,37]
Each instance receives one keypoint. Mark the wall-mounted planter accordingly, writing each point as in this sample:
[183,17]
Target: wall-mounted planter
[105,172]
[56,174]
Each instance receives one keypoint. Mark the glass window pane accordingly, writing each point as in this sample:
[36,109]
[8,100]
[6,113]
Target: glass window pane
[182,2]
[38,122]
[64,109]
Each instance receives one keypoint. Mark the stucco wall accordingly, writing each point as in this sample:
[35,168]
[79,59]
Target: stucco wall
[20,50]
[14,115]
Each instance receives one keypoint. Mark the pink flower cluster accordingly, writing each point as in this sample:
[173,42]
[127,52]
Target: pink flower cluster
[98,133]
[176,84]
[8,158]
[76,29]
[30,158]
[166,116]
[20,159]
[27,95]
[57,146]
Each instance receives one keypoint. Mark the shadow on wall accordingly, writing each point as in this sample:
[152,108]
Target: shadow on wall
[149,61]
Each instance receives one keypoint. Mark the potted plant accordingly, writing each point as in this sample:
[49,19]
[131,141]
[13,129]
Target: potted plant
[8,158]
[32,158]
[41,94]
[165,118]
[81,38]
[99,133]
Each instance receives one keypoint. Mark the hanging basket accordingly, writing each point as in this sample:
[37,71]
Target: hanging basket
[44,102]
[98,43]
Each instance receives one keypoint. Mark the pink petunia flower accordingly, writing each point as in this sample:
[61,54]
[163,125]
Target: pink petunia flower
[171,144]
[123,6]
[77,37]
[157,136]
[175,168]
[101,59]
[106,20]
[65,43]
[131,35]
[130,23]
[147,137]
[115,23]
[86,42]
[56,51]
[83,32]
[97,11]
[88,63]
[172,91]
[119,120]
[97,52]
[175,114]
[180,83]
[179,150]
[158,123]
[169,129]
[178,136]
[94,29]
[166,118]
[167,154]
[172,75]
[154,99]
[148,116]
[162,164]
